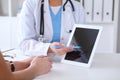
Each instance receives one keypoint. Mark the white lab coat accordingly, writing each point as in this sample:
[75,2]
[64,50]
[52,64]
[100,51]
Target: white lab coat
[30,25]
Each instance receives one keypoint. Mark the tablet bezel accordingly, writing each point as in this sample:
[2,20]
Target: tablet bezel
[94,47]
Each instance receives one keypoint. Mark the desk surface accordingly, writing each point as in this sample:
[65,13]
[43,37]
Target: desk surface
[104,67]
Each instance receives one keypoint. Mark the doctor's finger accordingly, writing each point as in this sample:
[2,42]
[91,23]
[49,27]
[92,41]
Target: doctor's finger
[66,49]
[61,51]
[57,44]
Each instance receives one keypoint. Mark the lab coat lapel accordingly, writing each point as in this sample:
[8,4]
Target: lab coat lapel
[47,21]
[37,16]
[67,22]
[47,16]
[64,24]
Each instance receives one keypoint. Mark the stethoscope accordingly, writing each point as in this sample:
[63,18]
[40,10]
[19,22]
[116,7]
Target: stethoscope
[41,37]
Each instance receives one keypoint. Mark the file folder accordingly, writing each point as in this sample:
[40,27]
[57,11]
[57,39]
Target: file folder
[107,10]
[82,2]
[88,5]
[97,13]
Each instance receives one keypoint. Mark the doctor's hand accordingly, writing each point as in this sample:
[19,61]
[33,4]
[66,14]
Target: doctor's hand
[58,51]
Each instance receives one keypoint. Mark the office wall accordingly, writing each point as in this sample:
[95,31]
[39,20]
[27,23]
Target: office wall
[8,32]
[106,43]
[4,33]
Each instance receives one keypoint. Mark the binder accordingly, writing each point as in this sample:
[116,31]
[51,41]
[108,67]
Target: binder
[88,5]
[97,13]
[0,8]
[107,10]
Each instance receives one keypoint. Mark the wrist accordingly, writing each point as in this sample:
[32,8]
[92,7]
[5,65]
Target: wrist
[34,70]
[19,65]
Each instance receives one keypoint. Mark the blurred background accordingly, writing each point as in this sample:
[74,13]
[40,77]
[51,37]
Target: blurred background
[98,12]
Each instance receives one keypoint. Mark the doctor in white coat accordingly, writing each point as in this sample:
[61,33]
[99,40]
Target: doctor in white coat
[30,20]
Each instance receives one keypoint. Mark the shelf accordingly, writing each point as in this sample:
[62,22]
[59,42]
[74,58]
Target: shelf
[10,7]
[3,7]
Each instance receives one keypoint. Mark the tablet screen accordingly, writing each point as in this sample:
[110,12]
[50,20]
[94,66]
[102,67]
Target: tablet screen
[84,38]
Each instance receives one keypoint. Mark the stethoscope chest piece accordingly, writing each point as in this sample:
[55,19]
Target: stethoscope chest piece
[41,38]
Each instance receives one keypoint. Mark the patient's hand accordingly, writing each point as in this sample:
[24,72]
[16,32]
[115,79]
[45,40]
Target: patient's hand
[41,65]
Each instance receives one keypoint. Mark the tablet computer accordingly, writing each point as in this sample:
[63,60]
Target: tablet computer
[83,39]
